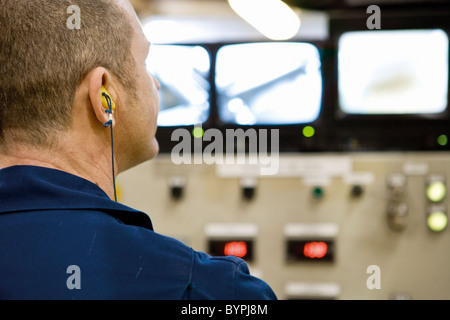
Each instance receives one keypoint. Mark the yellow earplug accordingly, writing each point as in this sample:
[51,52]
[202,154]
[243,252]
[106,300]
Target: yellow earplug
[105,100]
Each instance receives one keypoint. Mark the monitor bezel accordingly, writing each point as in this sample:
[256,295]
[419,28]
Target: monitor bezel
[392,132]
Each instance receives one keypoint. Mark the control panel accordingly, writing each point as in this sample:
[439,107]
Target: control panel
[326,226]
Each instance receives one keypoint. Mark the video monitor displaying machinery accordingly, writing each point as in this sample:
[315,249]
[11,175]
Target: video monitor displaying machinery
[390,86]
[393,72]
[269,83]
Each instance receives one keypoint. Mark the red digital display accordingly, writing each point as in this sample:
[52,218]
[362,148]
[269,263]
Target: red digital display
[236,248]
[314,250]
[239,248]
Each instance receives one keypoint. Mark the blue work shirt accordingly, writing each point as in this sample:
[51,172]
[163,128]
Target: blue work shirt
[61,237]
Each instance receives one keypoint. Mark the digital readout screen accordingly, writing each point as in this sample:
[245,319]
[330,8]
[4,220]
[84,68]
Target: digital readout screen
[239,248]
[310,250]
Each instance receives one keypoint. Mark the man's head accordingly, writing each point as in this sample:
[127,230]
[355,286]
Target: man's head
[48,72]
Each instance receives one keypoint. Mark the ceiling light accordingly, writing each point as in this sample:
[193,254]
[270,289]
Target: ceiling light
[273,18]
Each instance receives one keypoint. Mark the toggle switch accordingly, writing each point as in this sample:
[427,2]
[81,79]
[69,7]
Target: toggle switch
[177,186]
[248,186]
[396,184]
[397,215]
[397,208]
[356,191]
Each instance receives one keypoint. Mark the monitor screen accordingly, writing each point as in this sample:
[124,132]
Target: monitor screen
[393,72]
[183,72]
[275,83]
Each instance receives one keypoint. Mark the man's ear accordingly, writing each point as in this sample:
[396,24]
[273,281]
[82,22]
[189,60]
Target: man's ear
[100,77]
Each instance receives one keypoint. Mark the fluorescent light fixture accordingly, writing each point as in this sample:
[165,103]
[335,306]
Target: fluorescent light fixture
[273,18]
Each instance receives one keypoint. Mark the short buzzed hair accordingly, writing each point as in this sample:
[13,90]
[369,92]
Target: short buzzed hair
[43,61]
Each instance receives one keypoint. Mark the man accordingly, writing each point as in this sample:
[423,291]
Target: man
[61,235]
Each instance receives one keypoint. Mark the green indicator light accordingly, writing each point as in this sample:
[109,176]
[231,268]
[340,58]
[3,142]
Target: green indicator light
[436,191]
[318,193]
[437,221]
[309,132]
[198,132]
[442,140]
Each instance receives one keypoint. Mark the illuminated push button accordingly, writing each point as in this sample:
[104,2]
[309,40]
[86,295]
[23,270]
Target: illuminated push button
[436,191]
[437,221]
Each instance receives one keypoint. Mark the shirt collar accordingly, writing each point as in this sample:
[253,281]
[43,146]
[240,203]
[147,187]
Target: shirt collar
[30,188]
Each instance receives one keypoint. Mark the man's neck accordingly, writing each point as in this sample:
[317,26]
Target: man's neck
[92,166]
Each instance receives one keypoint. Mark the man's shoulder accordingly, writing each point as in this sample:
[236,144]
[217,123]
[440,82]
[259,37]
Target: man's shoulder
[225,278]
[150,264]
[211,277]
[204,276]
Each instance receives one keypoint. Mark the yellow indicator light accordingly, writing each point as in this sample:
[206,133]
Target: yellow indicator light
[437,221]
[436,191]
